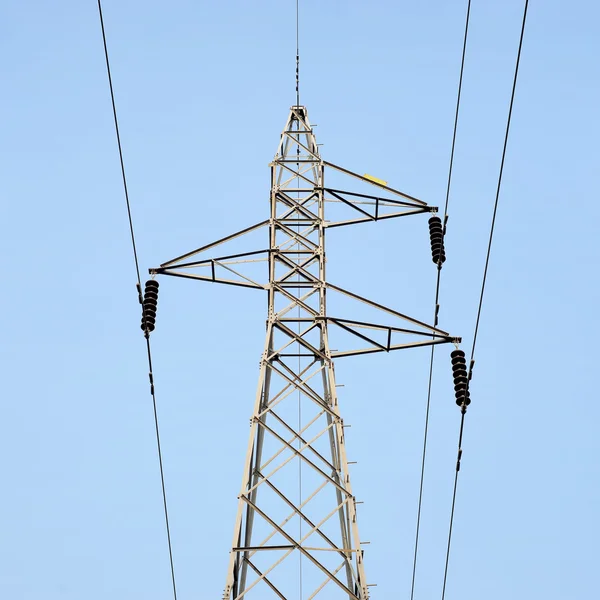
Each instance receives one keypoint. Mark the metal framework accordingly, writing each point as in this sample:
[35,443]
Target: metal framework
[296,525]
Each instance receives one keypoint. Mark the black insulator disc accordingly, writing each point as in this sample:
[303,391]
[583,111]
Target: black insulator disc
[459,366]
[436,257]
[151,294]
[147,325]
[456,353]
[151,283]
[459,387]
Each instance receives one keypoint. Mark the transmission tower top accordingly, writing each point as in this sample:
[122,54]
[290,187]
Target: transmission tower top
[296,526]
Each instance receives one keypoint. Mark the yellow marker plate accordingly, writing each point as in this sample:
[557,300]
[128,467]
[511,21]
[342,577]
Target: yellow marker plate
[375,179]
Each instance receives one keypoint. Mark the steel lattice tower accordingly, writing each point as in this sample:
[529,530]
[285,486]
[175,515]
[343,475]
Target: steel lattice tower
[296,519]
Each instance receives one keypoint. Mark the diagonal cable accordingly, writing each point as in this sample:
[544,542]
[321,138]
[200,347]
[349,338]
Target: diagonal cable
[436,304]
[114,109]
[485,272]
[139,286]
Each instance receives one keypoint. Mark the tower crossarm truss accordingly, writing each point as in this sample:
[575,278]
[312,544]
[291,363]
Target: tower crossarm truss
[296,524]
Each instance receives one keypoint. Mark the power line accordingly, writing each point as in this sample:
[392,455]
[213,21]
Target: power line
[436,304]
[160,463]
[114,108]
[485,272]
[487,259]
[139,287]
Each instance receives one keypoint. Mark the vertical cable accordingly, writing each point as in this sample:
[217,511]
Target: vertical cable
[299,323]
[297,52]
[298,291]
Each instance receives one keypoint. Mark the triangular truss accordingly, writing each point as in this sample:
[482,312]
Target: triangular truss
[296,516]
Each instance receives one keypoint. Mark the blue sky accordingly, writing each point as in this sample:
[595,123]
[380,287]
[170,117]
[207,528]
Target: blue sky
[203,91]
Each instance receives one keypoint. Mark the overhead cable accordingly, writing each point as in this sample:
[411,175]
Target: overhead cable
[440,258]
[485,272]
[139,288]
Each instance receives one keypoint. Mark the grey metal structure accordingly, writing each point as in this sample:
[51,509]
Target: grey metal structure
[296,524]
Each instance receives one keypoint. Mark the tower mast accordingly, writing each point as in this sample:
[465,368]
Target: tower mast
[297,296]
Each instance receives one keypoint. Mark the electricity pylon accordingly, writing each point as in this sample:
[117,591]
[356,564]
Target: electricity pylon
[296,526]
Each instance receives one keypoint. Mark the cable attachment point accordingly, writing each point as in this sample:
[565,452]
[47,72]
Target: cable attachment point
[436,235]
[149,305]
[138,287]
[461,379]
